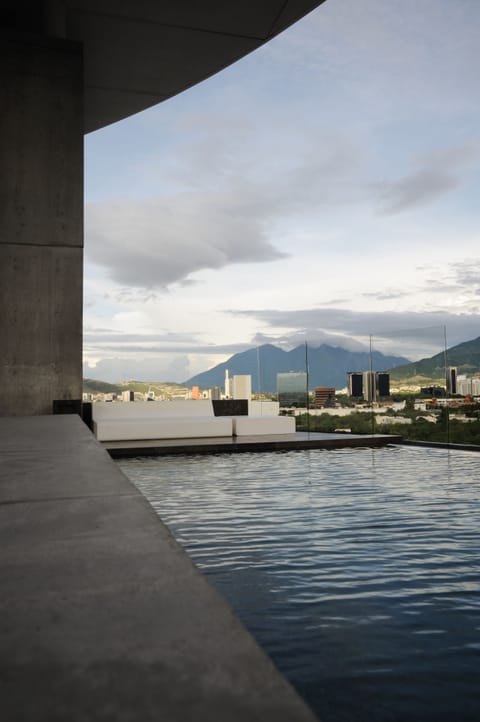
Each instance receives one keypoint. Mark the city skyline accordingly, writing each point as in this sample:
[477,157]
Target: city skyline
[323,189]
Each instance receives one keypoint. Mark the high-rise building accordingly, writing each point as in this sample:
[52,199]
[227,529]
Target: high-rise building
[468,386]
[292,388]
[451,380]
[324,396]
[241,386]
[215,393]
[355,383]
[369,386]
[227,385]
[382,380]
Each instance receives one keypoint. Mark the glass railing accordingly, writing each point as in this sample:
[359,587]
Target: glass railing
[407,382]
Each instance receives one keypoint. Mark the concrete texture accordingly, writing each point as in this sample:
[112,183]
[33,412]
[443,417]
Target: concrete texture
[139,52]
[41,223]
[67,68]
[102,615]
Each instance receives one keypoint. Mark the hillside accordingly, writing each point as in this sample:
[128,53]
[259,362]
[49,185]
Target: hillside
[92,386]
[328,366]
[166,388]
[465,356]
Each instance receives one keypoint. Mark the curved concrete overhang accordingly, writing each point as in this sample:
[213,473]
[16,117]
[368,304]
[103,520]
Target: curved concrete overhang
[138,53]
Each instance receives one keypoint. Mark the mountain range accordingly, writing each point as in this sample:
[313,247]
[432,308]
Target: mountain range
[465,356]
[328,366]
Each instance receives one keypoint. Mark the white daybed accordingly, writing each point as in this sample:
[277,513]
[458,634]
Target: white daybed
[132,421]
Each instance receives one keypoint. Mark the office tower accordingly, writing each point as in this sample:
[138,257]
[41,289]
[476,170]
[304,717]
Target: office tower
[355,383]
[292,388]
[227,385]
[369,386]
[451,380]
[215,393]
[383,384]
[241,386]
[324,396]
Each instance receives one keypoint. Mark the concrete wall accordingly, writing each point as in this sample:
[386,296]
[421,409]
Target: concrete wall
[41,223]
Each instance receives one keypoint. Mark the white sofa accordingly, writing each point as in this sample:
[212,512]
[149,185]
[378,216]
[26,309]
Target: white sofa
[127,421]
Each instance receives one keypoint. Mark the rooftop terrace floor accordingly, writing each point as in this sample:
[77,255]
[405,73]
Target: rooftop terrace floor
[102,615]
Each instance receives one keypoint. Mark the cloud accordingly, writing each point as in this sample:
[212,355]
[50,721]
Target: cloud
[314,337]
[467,273]
[411,333]
[439,173]
[122,369]
[221,201]
[387,295]
[416,189]
[154,243]
[103,342]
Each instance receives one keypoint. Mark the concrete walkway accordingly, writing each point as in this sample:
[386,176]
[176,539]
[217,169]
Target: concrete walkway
[102,615]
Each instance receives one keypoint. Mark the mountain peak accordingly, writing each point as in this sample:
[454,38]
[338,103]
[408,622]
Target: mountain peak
[328,366]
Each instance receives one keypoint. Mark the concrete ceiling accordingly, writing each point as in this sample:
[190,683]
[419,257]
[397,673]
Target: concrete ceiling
[140,52]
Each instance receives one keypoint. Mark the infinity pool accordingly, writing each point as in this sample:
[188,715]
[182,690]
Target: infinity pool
[357,570]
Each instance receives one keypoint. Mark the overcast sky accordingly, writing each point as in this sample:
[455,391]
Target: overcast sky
[324,188]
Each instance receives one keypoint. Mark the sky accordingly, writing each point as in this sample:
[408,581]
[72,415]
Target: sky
[325,189]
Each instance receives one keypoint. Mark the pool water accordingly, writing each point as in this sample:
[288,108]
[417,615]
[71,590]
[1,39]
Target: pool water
[357,570]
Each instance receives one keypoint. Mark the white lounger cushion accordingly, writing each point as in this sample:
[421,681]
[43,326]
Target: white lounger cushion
[263,425]
[134,429]
[151,409]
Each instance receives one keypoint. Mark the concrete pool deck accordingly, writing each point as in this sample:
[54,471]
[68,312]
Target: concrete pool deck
[232,445]
[102,615]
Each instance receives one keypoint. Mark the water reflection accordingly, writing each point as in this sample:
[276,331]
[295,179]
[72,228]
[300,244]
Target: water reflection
[357,569]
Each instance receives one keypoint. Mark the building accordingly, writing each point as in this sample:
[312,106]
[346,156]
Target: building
[292,388]
[227,389]
[369,386]
[432,391]
[451,380]
[382,381]
[70,68]
[241,386]
[215,393]
[355,383]
[324,396]
[128,395]
[468,386]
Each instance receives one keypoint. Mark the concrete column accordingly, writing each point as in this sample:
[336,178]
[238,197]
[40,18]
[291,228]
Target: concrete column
[41,223]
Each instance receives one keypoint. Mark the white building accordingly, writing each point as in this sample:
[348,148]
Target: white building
[241,386]
[468,386]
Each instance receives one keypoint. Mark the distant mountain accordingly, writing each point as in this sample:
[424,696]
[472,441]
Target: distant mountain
[328,366]
[465,356]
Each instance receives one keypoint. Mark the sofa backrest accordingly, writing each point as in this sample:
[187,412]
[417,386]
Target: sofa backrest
[150,409]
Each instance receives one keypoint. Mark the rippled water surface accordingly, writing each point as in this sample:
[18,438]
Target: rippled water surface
[357,570]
